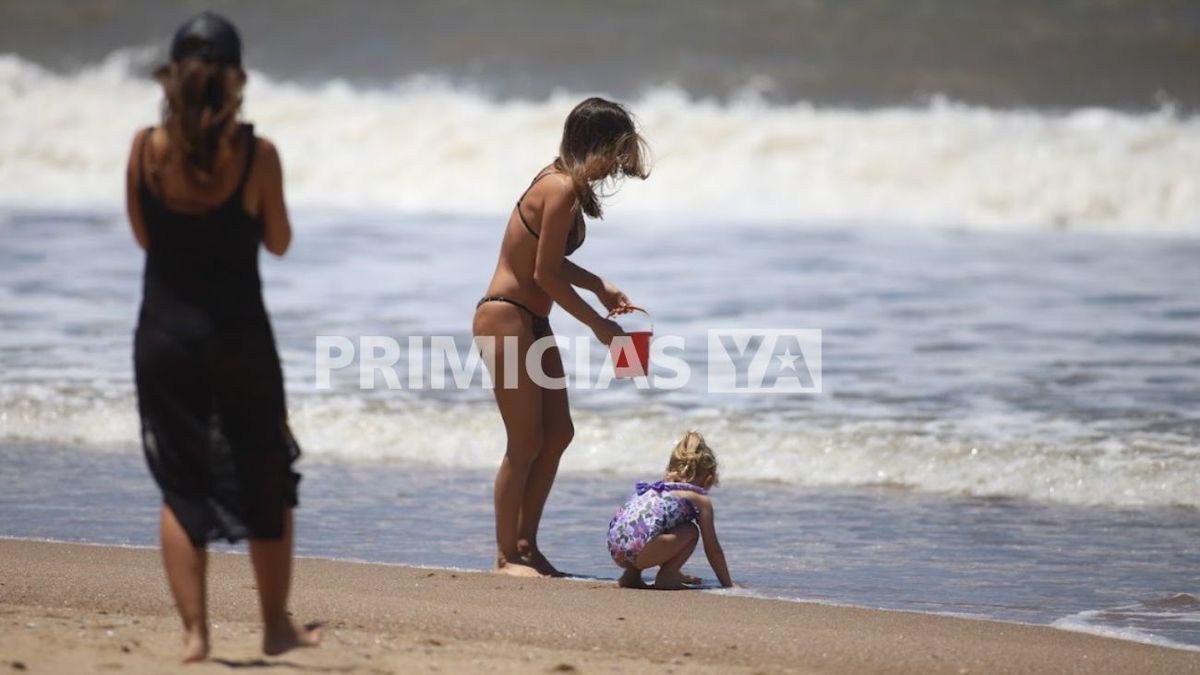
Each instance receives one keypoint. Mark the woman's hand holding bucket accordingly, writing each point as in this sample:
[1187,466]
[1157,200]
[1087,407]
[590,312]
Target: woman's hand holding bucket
[631,358]
[612,297]
[607,330]
[617,303]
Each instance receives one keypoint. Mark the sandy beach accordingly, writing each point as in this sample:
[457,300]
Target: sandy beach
[69,608]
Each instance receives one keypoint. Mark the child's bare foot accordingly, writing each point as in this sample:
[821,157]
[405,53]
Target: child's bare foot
[285,637]
[195,645]
[668,580]
[631,578]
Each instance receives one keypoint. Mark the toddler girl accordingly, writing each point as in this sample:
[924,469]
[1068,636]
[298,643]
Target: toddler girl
[655,527]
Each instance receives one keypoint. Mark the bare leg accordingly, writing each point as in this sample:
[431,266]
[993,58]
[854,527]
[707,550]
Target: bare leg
[186,566]
[272,560]
[509,490]
[669,577]
[669,551]
[521,409]
[557,432]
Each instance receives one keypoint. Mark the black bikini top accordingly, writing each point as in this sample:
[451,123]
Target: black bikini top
[578,232]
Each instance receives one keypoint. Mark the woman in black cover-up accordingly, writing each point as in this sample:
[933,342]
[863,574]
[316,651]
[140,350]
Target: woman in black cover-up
[203,194]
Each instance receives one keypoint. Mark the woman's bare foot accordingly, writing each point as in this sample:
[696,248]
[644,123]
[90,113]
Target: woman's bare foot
[515,569]
[631,578]
[285,637]
[195,645]
[669,580]
[532,557]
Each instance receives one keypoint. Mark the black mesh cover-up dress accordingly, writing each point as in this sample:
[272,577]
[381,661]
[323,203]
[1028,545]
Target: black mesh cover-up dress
[209,383]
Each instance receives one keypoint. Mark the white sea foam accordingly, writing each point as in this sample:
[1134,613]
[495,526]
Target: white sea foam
[1082,622]
[1086,622]
[425,146]
[753,446]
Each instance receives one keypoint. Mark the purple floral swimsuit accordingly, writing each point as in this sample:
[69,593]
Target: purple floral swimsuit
[651,511]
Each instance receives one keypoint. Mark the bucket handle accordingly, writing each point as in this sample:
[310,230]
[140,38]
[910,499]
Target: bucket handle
[625,309]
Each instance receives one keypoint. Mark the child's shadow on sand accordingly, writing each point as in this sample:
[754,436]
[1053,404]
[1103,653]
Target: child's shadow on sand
[702,586]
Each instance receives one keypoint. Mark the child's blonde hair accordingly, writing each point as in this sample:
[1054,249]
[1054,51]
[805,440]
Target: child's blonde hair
[691,459]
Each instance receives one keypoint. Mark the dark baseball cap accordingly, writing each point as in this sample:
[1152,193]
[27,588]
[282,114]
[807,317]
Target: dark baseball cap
[210,38]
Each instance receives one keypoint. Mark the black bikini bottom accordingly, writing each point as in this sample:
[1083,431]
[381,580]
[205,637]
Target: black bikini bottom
[541,324]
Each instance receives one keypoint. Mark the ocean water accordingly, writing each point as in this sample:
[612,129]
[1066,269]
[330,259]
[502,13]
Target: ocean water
[999,435]
[940,162]
[1122,54]
[1006,559]
[1005,279]
[1057,367]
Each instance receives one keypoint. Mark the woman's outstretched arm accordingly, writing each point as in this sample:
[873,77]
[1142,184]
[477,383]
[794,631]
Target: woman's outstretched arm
[609,295]
[579,277]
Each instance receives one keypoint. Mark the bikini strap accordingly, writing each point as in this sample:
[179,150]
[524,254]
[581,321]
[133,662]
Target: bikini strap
[521,214]
[541,174]
[511,301]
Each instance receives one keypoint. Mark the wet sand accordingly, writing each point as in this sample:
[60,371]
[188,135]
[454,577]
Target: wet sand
[77,608]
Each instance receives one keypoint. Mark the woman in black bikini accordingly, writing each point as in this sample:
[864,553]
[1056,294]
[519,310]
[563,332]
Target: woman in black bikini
[599,144]
[204,194]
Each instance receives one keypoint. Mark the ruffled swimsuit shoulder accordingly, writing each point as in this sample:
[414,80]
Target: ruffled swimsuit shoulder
[652,510]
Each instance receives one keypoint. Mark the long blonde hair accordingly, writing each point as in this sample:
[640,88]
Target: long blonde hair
[692,459]
[599,144]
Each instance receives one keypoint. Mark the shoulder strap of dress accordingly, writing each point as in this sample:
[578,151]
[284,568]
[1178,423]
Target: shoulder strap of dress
[248,164]
[142,151]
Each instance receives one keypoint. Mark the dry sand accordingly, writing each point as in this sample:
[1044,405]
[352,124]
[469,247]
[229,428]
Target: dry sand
[67,608]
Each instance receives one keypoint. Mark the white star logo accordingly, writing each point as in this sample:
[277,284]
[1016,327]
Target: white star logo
[787,359]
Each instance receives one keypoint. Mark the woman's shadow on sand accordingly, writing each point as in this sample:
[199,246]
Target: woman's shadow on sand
[238,664]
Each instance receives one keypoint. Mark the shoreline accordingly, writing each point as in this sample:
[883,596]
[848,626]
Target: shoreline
[1113,634]
[75,607]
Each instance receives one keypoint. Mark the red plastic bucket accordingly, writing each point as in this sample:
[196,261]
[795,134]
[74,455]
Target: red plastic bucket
[638,347]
